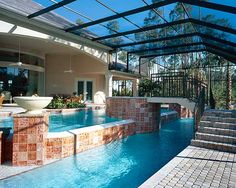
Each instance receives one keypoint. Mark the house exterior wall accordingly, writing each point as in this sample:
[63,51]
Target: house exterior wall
[84,68]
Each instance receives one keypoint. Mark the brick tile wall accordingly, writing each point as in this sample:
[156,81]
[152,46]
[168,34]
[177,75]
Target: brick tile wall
[182,111]
[29,139]
[146,115]
[83,139]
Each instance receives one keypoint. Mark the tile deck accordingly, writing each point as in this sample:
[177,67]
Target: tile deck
[196,167]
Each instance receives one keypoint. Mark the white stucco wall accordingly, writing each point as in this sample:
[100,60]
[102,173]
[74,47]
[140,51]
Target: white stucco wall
[84,68]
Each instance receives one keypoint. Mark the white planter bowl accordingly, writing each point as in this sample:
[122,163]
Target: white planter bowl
[33,104]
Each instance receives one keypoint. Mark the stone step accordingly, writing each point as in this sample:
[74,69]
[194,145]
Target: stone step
[221,125]
[221,113]
[216,138]
[218,119]
[214,145]
[217,131]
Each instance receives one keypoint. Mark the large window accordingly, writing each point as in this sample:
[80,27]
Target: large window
[25,79]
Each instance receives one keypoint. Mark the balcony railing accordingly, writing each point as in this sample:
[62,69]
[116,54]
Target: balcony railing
[177,84]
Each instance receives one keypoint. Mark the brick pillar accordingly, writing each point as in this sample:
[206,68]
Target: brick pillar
[1,147]
[146,115]
[176,107]
[29,139]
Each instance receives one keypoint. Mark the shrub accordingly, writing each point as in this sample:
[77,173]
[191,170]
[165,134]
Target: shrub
[75,105]
[56,103]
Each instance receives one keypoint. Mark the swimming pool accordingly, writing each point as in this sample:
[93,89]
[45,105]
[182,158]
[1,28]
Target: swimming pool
[68,121]
[79,119]
[123,163]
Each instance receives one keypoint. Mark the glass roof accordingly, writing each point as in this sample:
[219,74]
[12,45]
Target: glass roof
[141,25]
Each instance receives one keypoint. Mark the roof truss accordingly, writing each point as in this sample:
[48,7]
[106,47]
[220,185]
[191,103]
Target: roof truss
[154,6]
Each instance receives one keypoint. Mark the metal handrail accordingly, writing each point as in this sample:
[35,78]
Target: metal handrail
[199,109]
[177,84]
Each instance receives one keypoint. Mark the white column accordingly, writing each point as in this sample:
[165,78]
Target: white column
[109,77]
[135,83]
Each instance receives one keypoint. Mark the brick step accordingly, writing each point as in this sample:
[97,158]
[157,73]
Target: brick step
[221,113]
[221,125]
[216,138]
[218,119]
[217,131]
[214,145]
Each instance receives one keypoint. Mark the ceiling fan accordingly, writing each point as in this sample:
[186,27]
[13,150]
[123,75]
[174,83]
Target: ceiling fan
[19,64]
[70,69]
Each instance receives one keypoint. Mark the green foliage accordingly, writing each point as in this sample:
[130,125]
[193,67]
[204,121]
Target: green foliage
[56,103]
[219,93]
[59,103]
[114,28]
[145,87]
[75,105]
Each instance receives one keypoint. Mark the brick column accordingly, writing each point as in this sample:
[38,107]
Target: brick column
[29,139]
[146,115]
[175,107]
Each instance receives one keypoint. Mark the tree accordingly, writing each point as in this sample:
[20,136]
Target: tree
[114,28]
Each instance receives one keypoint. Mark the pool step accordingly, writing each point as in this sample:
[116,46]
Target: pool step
[219,119]
[221,113]
[214,145]
[216,138]
[221,125]
[217,130]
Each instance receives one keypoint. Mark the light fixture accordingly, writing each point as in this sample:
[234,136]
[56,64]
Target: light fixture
[70,69]
[19,63]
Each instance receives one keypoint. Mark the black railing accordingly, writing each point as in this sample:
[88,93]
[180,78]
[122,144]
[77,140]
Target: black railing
[177,84]
[199,108]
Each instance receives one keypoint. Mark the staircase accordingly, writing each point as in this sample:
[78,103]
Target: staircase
[217,130]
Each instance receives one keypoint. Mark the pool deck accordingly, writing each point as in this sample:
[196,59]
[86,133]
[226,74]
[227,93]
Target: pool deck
[196,167]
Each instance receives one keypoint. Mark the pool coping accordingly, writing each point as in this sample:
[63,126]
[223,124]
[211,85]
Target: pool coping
[88,129]
[166,169]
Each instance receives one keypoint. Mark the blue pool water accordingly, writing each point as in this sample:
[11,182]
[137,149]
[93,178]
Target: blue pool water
[6,122]
[123,163]
[83,118]
[65,122]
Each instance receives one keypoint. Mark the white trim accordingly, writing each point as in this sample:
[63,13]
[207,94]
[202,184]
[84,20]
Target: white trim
[36,25]
[8,49]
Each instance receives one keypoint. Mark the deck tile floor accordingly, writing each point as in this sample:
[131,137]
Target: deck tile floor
[197,167]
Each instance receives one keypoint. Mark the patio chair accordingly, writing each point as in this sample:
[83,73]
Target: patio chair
[1,100]
[7,96]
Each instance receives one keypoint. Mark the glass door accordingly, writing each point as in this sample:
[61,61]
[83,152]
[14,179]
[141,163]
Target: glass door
[85,88]
[80,90]
[89,89]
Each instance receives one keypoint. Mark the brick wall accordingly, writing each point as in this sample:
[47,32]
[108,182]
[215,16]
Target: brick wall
[146,115]
[168,117]
[182,111]
[64,144]
[29,139]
